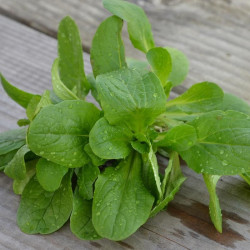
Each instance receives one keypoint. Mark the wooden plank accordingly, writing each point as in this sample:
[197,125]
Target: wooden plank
[215,35]
[26,58]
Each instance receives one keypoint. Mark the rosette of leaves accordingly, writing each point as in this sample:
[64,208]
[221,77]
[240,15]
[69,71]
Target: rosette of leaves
[99,167]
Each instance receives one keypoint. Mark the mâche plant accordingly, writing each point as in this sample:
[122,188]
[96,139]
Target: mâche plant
[98,166]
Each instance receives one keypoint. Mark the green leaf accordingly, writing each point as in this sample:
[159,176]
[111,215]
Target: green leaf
[130,98]
[246,177]
[58,86]
[44,212]
[223,144]
[214,204]
[81,218]
[19,96]
[141,66]
[110,142]
[70,65]
[140,146]
[107,52]
[59,132]
[150,173]
[85,180]
[16,168]
[139,28]
[121,202]
[6,158]
[19,185]
[232,102]
[31,108]
[49,174]
[12,139]
[160,62]
[180,66]
[201,97]
[171,184]
[96,161]
[178,138]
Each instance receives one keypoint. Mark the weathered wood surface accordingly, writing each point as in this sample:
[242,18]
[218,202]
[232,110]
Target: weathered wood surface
[215,35]
[25,59]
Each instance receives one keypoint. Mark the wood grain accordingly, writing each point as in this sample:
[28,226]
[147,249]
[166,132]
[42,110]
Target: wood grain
[215,35]
[26,56]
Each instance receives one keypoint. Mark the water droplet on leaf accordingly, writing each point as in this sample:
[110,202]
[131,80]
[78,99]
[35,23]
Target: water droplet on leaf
[224,163]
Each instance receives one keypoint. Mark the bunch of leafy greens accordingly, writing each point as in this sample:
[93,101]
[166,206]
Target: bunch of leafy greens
[111,154]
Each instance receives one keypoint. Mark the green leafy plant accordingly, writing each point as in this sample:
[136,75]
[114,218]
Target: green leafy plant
[99,167]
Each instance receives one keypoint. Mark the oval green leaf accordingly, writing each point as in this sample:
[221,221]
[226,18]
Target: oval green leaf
[70,65]
[160,62]
[139,28]
[107,52]
[201,97]
[110,142]
[180,66]
[178,138]
[44,212]
[81,218]
[131,98]
[50,174]
[59,132]
[223,144]
[121,202]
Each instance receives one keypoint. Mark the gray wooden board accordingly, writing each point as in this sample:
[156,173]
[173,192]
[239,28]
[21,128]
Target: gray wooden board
[25,59]
[215,35]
